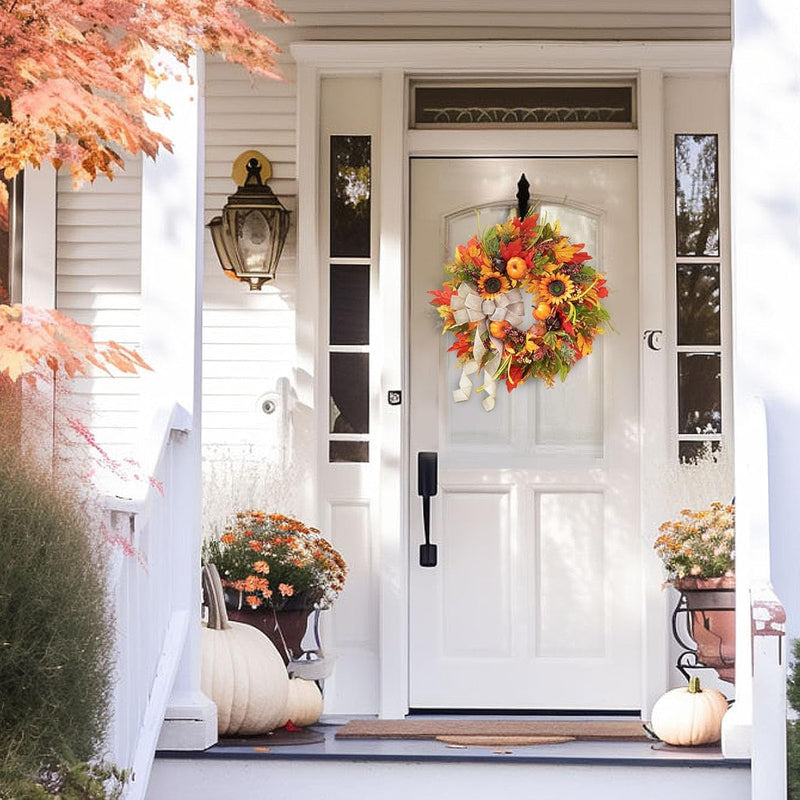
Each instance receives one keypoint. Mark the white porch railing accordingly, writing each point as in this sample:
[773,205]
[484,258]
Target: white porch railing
[151,620]
[768,626]
[755,726]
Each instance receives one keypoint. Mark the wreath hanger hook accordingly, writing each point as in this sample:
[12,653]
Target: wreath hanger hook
[523,196]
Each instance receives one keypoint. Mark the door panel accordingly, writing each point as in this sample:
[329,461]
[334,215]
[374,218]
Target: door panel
[535,602]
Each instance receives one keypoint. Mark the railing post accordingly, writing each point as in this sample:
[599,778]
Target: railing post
[769,694]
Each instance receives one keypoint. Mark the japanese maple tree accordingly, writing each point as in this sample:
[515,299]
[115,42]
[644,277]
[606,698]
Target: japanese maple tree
[73,74]
[36,343]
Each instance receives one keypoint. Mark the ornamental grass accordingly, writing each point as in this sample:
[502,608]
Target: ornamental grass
[56,639]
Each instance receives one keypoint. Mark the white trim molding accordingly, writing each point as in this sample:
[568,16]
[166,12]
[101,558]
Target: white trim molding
[39,237]
[502,58]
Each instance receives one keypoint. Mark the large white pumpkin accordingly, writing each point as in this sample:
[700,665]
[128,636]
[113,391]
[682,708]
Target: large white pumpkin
[241,670]
[304,706]
[689,715]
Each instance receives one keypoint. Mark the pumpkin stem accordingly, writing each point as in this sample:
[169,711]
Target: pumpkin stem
[217,615]
[694,685]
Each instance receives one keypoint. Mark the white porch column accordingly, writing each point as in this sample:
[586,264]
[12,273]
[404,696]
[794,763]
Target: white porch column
[765,108]
[39,237]
[171,295]
[37,286]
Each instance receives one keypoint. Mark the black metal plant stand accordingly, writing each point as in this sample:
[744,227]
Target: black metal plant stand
[698,602]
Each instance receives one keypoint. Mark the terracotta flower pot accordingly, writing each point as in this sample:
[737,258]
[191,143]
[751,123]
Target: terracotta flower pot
[285,628]
[710,604]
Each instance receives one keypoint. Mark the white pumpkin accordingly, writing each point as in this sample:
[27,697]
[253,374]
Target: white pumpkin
[304,706]
[241,671]
[689,715]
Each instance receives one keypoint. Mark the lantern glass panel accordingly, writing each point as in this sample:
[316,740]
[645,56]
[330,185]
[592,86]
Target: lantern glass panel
[254,240]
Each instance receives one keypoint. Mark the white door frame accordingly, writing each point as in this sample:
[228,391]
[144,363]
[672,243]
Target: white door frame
[395,62]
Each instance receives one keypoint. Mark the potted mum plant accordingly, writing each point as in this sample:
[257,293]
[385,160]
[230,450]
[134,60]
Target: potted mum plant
[275,571]
[698,552]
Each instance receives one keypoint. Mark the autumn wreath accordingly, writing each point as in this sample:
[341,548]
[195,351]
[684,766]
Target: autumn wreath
[483,305]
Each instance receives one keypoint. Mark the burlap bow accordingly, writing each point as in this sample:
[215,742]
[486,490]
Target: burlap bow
[469,306]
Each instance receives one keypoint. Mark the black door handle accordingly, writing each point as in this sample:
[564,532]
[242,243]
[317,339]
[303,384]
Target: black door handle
[427,479]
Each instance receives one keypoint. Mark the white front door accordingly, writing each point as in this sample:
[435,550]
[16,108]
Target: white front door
[536,599]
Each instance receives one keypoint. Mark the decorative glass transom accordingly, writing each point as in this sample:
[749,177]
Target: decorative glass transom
[522,106]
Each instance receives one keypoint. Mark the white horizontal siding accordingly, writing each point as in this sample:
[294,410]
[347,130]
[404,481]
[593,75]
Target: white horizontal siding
[510,19]
[248,337]
[98,257]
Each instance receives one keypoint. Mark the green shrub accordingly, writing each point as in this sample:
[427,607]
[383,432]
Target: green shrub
[793,726]
[56,635]
[78,781]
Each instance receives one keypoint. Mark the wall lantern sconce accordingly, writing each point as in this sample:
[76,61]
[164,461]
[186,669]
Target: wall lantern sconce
[250,234]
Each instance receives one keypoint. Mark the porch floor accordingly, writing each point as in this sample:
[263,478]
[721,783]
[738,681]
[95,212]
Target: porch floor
[620,753]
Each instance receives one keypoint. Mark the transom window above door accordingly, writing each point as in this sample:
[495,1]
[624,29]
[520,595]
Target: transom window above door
[481,105]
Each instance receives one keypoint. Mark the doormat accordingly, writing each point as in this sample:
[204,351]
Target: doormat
[622,730]
[503,741]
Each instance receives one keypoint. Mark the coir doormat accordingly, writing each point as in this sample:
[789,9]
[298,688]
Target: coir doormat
[499,729]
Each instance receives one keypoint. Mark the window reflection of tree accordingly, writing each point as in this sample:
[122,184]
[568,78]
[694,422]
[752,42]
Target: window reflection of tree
[698,304]
[350,196]
[697,195]
[349,379]
[699,395]
[5,260]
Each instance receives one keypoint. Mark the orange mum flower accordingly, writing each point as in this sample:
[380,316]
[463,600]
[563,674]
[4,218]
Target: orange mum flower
[261,566]
[287,590]
[253,600]
[227,538]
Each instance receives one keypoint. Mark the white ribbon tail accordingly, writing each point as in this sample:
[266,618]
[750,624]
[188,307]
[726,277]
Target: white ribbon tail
[489,383]
[464,383]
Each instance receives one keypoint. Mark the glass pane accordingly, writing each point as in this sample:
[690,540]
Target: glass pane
[690,452]
[570,414]
[342,452]
[5,258]
[349,304]
[699,397]
[492,106]
[11,238]
[349,393]
[698,304]
[696,195]
[350,196]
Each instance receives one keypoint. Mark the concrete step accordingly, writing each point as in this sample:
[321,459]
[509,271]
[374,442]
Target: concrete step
[392,769]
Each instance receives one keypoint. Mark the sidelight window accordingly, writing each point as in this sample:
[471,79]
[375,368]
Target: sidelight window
[350,267]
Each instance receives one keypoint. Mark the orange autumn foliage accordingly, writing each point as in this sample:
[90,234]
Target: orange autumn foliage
[36,342]
[73,74]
